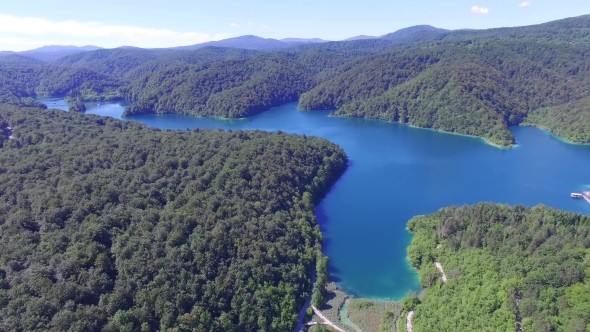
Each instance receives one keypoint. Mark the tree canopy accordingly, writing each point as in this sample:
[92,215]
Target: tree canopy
[502,262]
[111,225]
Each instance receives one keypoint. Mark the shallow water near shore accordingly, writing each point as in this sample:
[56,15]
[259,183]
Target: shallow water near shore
[397,172]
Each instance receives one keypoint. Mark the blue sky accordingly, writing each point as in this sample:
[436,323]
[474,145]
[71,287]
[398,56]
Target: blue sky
[27,24]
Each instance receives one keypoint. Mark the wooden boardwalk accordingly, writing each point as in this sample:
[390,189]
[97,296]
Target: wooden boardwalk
[326,320]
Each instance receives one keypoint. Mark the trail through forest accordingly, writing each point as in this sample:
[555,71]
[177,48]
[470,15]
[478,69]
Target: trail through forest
[518,318]
[409,321]
[411,313]
[442,273]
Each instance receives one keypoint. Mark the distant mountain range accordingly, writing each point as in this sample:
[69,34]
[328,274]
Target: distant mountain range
[403,33]
[52,52]
[257,43]
[304,40]
[58,48]
[360,38]
[249,42]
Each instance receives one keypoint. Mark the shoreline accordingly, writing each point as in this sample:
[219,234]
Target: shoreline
[351,295]
[485,140]
[130,117]
[331,115]
[548,131]
[343,316]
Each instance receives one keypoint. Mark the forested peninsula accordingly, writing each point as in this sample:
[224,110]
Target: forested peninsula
[504,266]
[108,225]
[473,82]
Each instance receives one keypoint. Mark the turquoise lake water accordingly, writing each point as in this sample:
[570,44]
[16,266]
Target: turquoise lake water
[397,172]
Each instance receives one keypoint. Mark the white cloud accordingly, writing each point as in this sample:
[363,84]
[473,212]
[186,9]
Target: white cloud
[525,4]
[250,23]
[234,25]
[265,27]
[22,29]
[479,10]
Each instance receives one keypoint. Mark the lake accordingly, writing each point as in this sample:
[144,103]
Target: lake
[397,172]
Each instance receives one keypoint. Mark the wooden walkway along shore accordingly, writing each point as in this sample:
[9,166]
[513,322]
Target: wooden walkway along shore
[326,320]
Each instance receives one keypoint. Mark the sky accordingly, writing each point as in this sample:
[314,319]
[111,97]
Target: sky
[28,24]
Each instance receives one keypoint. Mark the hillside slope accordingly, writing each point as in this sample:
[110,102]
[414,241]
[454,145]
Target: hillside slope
[476,89]
[469,82]
[105,230]
[570,121]
[502,262]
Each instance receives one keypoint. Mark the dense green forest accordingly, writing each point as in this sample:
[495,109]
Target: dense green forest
[101,228]
[570,121]
[502,262]
[77,105]
[231,89]
[469,82]
[475,88]
[21,82]
[474,82]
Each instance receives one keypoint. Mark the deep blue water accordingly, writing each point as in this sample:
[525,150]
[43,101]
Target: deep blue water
[397,172]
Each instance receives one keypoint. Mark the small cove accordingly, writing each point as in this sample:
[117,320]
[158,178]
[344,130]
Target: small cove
[397,172]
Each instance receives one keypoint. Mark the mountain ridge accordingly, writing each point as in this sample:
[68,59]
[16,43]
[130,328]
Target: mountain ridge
[249,42]
[245,41]
[474,82]
[49,53]
[405,32]
[304,40]
[360,37]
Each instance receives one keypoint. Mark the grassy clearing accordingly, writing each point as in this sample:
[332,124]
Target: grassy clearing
[367,315]
[374,316]
[335,301]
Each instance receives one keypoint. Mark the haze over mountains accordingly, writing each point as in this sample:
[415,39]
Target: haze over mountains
[360,37]
[250,42]
[474,82]
[52,52]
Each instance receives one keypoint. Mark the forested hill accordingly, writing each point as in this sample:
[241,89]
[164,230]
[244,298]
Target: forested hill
[102,229]
[570,121]
[502,262]
[476,88]
[469,82]
[475,82]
